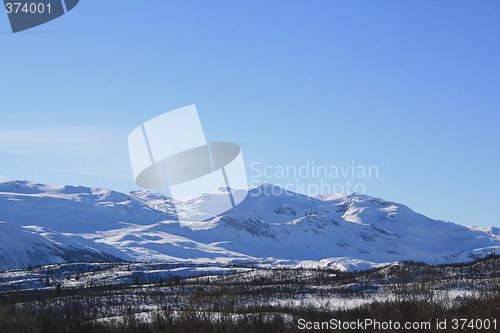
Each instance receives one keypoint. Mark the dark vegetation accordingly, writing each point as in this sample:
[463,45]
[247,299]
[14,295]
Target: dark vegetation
[262,300]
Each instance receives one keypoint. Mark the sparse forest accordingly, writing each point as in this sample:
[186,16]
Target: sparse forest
[255,299]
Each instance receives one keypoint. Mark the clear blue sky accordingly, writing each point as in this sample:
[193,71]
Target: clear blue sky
[412,87]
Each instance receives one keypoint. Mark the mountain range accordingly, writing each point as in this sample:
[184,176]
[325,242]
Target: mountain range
[44,224]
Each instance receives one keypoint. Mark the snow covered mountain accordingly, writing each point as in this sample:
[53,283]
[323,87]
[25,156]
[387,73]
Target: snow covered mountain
[21,247]
[271,226]
[74,209]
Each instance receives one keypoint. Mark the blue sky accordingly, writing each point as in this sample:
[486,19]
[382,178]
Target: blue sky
[410,87]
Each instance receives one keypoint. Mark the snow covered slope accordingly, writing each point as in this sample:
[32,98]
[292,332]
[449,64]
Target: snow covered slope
[21,247]
[75,209]
[270,226]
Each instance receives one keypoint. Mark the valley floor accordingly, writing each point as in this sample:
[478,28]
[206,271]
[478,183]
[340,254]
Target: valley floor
[187,297]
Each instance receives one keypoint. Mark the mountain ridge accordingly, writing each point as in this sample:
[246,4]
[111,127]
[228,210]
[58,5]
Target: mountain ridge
[271,226]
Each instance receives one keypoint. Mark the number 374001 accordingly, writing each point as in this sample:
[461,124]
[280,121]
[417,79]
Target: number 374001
[27,8]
